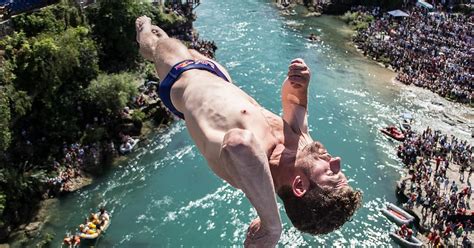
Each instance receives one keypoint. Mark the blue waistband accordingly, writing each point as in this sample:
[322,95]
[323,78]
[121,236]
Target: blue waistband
[164,90]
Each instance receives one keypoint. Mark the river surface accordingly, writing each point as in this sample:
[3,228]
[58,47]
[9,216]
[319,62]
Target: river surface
[165,195]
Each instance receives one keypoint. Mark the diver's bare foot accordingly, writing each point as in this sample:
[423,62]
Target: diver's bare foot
[160,33]
[148,36]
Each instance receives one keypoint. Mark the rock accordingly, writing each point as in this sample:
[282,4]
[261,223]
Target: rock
[33,228]
[311,14]
[129,128]
[4,246]
[80,182]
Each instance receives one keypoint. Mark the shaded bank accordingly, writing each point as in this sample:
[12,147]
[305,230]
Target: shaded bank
[65,128]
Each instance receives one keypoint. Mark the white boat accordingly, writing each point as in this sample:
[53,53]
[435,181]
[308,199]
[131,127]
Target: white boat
[404,126]
[124,148]
[397,215]
[412,242]
[405,122]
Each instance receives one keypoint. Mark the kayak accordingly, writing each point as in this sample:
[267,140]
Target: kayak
[395,134]
[397,215]
[412,242]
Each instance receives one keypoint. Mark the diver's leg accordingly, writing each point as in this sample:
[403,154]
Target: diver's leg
[155,45]
[199,56]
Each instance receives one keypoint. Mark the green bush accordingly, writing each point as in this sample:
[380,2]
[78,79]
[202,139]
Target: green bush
[46,242]
[113,25]
[357,20]
[52,19]
[5,116]
[110,93]
[138,115]
[361,26]
[349,16]
[148,71]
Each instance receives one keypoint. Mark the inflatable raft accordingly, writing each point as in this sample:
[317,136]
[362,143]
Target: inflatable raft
[97,234]
[412,242]
[397,215]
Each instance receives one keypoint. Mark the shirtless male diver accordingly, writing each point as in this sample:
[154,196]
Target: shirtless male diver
[250,147]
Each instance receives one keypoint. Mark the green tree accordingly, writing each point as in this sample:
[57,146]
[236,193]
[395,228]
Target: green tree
[55,18]
[13,104]
[113,25]
[110,93]
[47,73]
[47,63]
[5,117]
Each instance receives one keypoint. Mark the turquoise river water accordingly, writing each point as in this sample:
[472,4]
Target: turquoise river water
[164,195]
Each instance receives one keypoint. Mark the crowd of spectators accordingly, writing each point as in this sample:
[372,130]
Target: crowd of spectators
[186,32]
[75,156]
[433,50]
[207,48]
[70,167]
[180,9]
[444,201]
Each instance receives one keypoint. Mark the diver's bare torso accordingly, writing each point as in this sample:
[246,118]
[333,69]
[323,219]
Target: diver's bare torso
[212,107]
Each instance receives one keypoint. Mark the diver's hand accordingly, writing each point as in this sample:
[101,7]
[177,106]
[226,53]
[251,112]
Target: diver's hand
[298,73]
[260,236]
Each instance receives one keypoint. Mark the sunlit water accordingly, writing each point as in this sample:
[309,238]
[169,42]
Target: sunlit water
[165,195]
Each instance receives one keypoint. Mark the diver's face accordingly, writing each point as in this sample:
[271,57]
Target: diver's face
[325,170]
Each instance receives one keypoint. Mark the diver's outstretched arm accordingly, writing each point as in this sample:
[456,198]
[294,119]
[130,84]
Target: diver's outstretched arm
[248,163]
[294,96]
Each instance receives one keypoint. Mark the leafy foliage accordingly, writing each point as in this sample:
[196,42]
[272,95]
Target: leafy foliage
[357,19]
[5,116]
[51,89]
[53,19]
[138,115]
[46,63]
[113,25]
[111,93]
[48,74]
[21,189]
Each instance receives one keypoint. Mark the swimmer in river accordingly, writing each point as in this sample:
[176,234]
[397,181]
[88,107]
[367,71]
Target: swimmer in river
[248,146]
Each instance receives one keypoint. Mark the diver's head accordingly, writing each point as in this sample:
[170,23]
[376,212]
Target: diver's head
[317,198]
